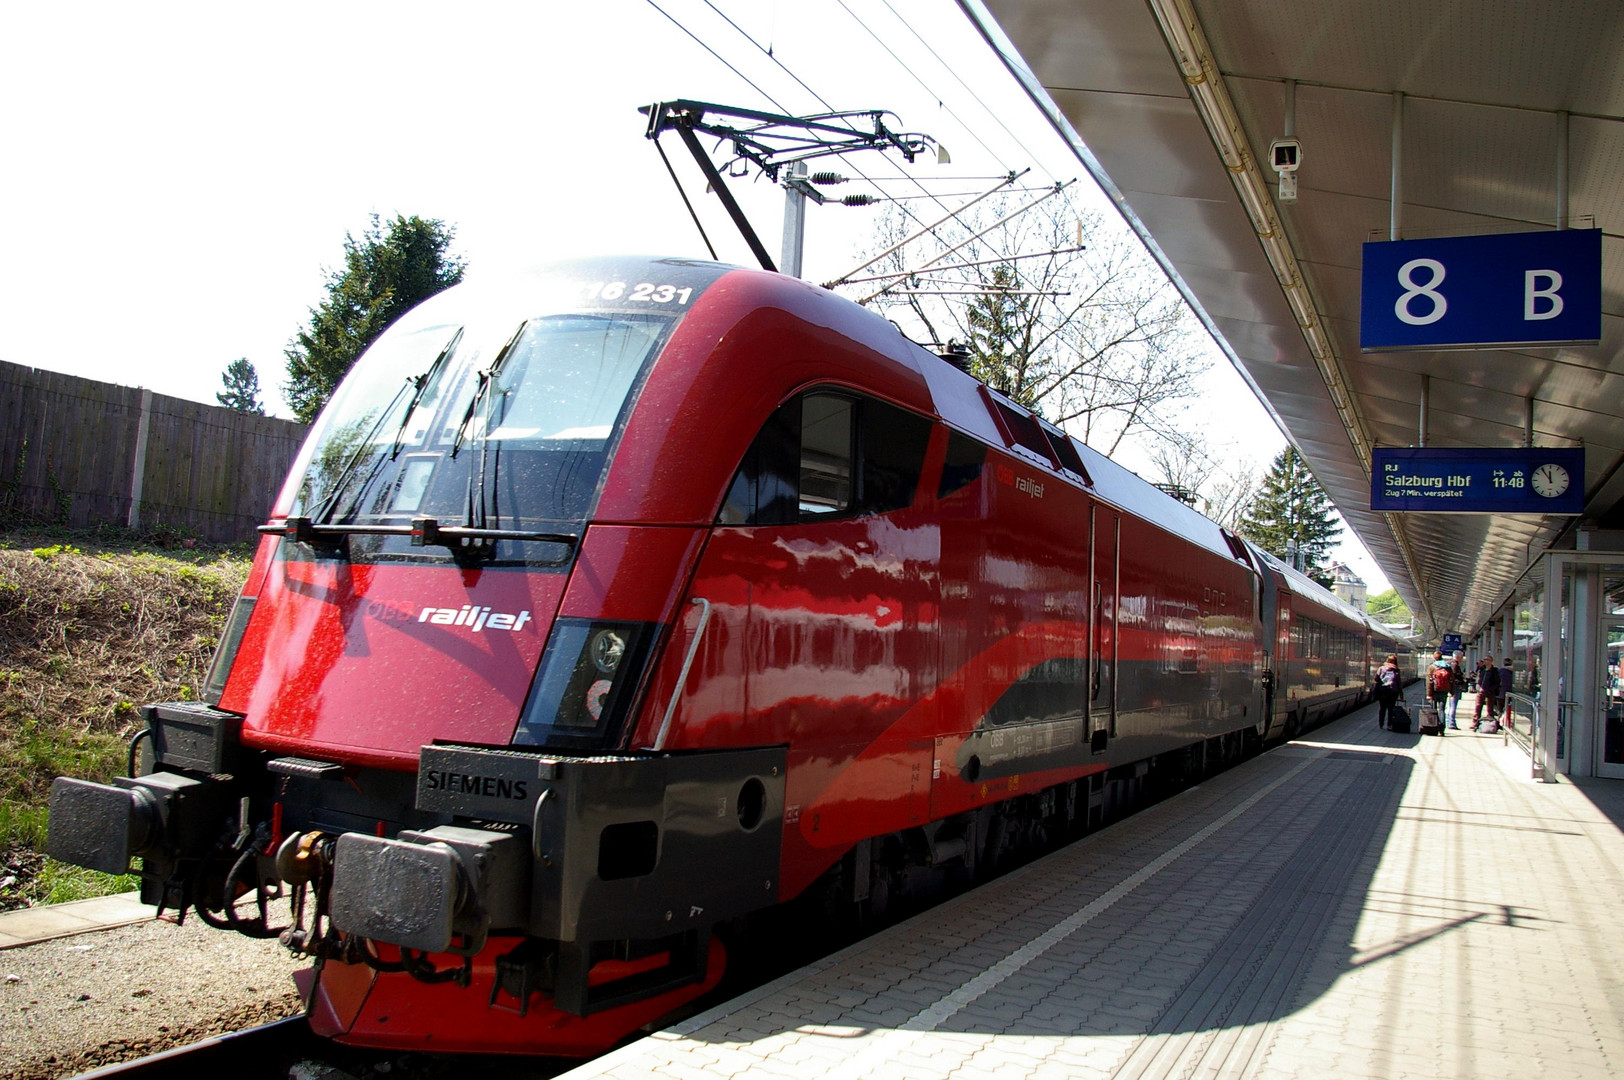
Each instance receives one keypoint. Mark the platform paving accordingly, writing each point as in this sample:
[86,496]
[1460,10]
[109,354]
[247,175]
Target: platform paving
[1356,904]
[26,926]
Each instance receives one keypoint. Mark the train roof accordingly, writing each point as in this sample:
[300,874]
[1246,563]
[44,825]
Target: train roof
[1303,585]
[964,402]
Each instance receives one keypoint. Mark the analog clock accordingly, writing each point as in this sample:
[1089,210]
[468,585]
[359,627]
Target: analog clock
[1550,481]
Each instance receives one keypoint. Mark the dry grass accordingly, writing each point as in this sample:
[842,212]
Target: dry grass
[90,629]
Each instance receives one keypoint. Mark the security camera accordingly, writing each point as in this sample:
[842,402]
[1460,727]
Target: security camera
[1286,154]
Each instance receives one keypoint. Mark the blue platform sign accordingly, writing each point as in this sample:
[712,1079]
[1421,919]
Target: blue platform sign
[1468,292]
[1451,644]
[1467,480]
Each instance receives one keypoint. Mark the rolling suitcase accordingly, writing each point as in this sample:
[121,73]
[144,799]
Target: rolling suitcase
[1430,723]
[1399,718]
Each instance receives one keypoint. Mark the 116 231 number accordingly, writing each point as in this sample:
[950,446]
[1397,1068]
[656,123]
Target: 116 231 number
[643,292]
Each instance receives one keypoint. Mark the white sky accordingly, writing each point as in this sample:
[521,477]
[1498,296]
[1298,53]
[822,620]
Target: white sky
[180,177]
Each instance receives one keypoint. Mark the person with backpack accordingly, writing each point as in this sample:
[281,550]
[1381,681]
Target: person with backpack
[1440,677]
[1387,690]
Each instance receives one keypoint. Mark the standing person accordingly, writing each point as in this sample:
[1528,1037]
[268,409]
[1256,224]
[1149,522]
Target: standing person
[1488,692]
[1440,676]
[1457,685]
[1387,689]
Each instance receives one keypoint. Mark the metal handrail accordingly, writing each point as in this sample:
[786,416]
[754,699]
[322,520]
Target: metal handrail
[687,663]
[1526,707]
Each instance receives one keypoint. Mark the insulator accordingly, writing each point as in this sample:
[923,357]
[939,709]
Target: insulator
[827,178]
[859,200]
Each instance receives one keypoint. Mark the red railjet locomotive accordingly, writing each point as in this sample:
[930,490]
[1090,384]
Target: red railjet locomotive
[615,602]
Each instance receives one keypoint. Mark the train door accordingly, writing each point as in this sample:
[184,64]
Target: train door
[1105,586]
[1271,608]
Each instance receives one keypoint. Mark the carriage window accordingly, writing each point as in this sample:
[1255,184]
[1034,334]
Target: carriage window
[827,455]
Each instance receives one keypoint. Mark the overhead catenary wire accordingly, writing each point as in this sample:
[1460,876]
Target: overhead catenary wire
[1058,188]
[990,290]
[954,194]
[978,262]
[960,80]
[904,65]
[704,45]
[824,102]
[905,176]
[951,214]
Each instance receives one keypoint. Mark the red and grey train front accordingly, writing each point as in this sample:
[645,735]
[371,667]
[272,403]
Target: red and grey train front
[418,708]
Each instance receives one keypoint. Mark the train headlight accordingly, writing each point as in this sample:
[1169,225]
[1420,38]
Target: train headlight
[585,686]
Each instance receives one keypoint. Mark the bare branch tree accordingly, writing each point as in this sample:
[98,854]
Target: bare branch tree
[1096,340]
[1227,499]
[1184,462]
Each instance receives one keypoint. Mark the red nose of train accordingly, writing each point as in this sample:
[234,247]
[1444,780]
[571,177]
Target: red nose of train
[369,663]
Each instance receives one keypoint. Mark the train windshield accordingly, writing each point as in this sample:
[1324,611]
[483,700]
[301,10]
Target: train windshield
[503,426]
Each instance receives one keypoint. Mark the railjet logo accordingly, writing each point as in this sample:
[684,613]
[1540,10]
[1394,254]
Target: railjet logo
[474,617]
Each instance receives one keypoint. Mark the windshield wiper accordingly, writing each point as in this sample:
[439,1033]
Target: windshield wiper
[420,386]
[486,378]
[330,503]
[464,542]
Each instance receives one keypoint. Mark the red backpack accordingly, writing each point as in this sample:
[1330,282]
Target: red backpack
[1440,679]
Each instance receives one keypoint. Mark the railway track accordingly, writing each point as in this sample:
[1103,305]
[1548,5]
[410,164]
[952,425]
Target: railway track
[286,1050]
[251,1053]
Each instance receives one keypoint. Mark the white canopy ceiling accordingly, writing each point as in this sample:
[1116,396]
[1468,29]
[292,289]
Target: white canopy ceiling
[1172,104]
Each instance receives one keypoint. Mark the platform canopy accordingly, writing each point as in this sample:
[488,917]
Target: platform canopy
[1507,116]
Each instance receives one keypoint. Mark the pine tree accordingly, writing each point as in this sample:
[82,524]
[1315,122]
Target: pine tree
[1001,329]
[1292,518]
[242,388]
[383,277]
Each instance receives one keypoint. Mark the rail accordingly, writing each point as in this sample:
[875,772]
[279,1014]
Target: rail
[687,664]
[1525,726]
[1521,721]
[264,1051]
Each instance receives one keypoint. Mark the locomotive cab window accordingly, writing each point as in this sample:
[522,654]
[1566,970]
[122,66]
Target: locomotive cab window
[828,455]
[501,425]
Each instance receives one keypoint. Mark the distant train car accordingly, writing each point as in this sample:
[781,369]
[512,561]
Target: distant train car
[1322,661]
[613,603]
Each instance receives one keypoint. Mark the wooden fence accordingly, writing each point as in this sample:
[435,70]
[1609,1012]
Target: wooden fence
[80,452]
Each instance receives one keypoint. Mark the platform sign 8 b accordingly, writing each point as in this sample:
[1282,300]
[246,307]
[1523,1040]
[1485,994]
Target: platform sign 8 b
[1465,292]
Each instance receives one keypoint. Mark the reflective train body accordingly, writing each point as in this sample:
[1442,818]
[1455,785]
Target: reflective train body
[612,604]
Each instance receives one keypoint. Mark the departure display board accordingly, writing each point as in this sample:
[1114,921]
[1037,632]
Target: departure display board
[1472,480]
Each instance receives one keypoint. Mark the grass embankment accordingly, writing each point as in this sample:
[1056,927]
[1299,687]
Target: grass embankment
[92,626]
